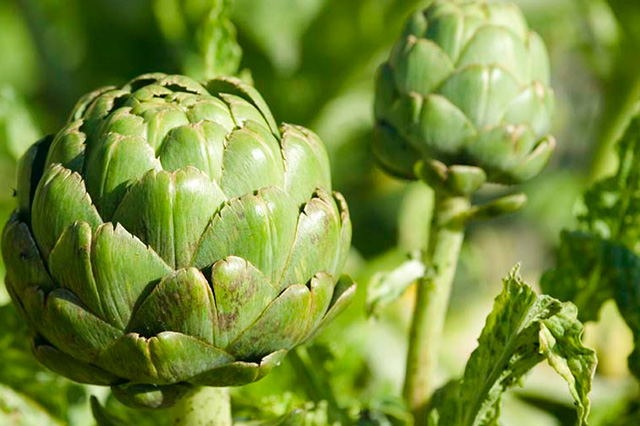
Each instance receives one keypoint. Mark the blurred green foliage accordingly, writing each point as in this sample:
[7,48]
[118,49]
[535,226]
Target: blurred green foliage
[314,61]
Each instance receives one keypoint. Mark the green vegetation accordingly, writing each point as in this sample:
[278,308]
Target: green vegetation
[170,235]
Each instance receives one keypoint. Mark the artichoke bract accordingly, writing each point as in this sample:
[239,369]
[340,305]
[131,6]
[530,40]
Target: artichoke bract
[466,85]
[172,236]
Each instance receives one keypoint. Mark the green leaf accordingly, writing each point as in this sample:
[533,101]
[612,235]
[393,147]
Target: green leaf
[387,412]
[613,204]
[114,413]
[29,381]
[601,261]
[15,409]
[522,330]
[387,287]
[309,415]
[201,34]
[578,274]
[294,418]
[102,416]
[219,51]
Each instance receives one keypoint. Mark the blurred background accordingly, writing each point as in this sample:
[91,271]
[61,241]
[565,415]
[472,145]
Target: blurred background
[314,62]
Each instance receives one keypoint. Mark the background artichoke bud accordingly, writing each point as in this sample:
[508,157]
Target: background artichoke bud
[171,236]
[467,84]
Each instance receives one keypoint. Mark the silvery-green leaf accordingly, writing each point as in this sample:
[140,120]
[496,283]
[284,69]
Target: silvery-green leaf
[387,287]
[18,409]
[523,330]
[576,276]
[600,261]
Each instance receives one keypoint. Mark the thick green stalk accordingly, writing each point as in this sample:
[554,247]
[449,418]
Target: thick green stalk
[206,407]
[432,301]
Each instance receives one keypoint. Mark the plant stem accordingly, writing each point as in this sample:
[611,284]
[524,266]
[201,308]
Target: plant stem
[206,407]
[432,301]
[622,97]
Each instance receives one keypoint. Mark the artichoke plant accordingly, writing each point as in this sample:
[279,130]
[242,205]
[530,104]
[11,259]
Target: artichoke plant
[172,236]
[466,85]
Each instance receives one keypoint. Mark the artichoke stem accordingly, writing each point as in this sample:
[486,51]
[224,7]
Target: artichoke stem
[208,406]
[432,301]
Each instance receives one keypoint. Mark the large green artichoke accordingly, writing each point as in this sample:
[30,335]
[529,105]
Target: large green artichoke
[171,236]
[467,84]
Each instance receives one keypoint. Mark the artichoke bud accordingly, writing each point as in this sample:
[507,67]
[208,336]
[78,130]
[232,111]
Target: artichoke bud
[171,235]
[466,85]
